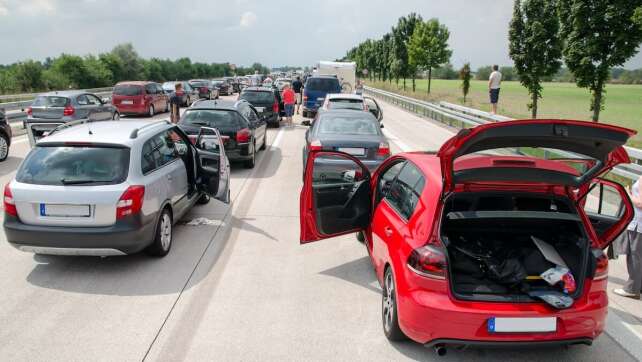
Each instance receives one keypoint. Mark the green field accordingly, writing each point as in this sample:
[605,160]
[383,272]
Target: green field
[560,100]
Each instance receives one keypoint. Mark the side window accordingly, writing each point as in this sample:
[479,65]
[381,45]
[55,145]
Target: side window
[158,151]
[385,181]
[251,115]
[178,142]
[150,89]
[405,190]
[604,200]
[82,100]
[159,89]
[93,99]
[245,112]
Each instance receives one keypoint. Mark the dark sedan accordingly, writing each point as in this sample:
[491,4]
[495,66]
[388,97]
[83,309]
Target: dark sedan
[243,132]
[267,102]
[5,135]
[354,132]
[223,86]
[206,89]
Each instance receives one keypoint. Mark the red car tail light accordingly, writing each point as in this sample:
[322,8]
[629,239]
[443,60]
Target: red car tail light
[601,265]
[384,150]
[29,111]
[315,146]
[428,261]
[275,107]
[243,136]
[9,204]
[68,111]
[131,202]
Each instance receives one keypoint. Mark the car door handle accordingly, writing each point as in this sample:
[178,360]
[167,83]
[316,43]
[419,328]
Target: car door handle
[388,231]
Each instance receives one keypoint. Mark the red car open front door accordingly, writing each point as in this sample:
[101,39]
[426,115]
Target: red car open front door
[336,196]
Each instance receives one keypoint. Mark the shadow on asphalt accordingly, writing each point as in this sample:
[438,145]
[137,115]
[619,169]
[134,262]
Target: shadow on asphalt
[10,165]
[357,272]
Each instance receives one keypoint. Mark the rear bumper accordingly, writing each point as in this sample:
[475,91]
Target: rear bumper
[127,236]
[433,317]
[132,109]
[509,344]
[240,153]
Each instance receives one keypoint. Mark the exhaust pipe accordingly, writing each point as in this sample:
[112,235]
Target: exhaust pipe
[440,349]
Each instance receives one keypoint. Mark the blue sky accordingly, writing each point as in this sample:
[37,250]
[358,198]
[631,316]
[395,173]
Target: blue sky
[274,32]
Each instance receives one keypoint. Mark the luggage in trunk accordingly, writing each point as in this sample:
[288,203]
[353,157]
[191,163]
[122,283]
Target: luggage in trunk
[491,250]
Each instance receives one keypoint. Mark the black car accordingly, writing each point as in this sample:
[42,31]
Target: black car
[234,83]
[5,135]
[223,86]
[266,100]
[205,88]
[243,131]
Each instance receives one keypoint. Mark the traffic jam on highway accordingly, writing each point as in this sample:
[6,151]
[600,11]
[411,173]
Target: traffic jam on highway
[471,245]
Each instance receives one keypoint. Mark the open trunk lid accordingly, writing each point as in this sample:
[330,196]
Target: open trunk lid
[512,152]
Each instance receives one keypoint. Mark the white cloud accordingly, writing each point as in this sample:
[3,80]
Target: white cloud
[4,10]
[248,19]
[35,7]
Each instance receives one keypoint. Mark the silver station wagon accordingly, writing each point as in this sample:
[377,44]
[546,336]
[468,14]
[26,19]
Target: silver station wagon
[112,188]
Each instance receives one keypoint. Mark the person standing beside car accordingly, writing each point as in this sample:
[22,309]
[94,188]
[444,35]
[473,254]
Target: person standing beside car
[631,246]
[494,83]
[175,101]
[297,86]
[289,98]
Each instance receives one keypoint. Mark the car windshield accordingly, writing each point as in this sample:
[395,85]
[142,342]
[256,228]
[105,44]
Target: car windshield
[50,101]
[346,104]
[348,126]
[210,118]
[128,90]
[71,165]
[258,96]
[169,86]
[323,84]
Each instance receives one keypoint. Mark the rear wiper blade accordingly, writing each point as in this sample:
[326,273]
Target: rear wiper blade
[81,181]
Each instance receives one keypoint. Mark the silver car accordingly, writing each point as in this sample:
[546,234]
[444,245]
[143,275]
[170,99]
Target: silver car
[49,110]
[112,188]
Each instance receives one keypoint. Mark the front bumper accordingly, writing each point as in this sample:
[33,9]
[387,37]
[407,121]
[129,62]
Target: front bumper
[129,235]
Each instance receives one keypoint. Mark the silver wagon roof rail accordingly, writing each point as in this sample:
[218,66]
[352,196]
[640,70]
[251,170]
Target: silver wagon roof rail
[135,132]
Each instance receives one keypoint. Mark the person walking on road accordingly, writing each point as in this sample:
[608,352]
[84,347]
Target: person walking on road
[175,101]
[289,98]
[631,246]
[297,86]
[494,83]
[359,87]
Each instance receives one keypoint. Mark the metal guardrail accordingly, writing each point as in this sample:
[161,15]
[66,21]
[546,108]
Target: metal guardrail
[30,96]
[463,117]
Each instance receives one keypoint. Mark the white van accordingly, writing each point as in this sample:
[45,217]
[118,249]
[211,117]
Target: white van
[346,72]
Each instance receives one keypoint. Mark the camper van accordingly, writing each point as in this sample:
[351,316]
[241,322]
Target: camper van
[344,71]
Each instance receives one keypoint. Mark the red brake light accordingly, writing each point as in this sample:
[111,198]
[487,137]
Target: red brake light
[131,202]
[275,107]
[428,261]
[29,111]
[384,150]
[68,111]
[315,146]
[243,136]
[601,265]
[9,204]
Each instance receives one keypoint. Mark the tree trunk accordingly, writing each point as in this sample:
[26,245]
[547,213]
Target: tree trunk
[534,106]
[413,84]
[404,84]
[597,101]
[429,78]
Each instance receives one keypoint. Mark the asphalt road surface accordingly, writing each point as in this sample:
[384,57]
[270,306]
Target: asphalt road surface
[241,288]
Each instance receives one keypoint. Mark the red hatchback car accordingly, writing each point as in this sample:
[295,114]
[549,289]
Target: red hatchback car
[496,239]
[140,97]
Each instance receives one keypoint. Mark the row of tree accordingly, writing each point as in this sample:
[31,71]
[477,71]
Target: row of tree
[591,37]
[106,69]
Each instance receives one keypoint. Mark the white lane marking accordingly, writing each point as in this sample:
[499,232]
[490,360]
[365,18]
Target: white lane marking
[404,147]
[277,139]
[624,334]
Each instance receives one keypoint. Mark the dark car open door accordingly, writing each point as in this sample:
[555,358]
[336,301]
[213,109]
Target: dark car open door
[213,165]
[336,196]
[374,108]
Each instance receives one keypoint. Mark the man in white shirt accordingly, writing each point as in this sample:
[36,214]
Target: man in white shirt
[494,82]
